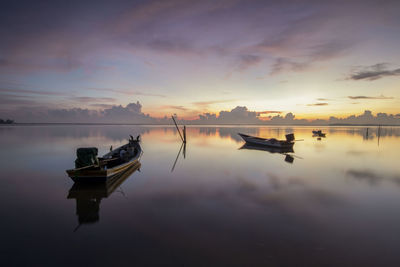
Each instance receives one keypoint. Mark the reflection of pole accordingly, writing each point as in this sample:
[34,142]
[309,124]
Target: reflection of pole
[176,125]
[184,134]
[366,134]
[177,156]
[379,133]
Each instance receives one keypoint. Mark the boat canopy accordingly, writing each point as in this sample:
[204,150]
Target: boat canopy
[86,156]
[290,137]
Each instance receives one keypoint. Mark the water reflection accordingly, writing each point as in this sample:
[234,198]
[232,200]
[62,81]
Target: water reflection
[88,196]
[220,206]
[183,146]
[373,178]
[284,151]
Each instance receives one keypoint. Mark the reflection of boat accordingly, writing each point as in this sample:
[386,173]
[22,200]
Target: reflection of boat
[288,158]
[271,142]
[318,133]
[268,148]
[88,195]
[89,168]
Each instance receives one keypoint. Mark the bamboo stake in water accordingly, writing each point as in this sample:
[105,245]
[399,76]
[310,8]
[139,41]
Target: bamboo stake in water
[176,125]
[184,134]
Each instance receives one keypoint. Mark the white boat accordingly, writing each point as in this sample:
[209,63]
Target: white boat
[271,142]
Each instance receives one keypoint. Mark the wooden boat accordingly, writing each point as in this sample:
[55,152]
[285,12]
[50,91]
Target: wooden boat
[318,133]
[111,164]
[271,142]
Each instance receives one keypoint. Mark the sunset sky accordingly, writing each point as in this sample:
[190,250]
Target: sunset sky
[312,58]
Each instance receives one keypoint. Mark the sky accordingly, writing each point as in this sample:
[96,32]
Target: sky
[106,60]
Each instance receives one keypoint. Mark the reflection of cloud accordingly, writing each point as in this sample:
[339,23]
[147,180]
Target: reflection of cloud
[371,177]
[281,191]
[366,175]
[232,132]
[356,152]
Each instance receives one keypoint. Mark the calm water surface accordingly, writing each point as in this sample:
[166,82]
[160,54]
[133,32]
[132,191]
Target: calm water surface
[333,202]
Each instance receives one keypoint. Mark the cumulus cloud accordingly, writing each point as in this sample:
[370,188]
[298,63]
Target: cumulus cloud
[237,115]
[373,72]
[132,113]
[241,115]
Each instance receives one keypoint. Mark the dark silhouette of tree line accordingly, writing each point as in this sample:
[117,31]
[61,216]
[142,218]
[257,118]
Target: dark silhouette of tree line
[7,121]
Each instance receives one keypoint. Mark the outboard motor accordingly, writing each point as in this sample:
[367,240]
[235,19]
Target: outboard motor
[86,156]
[290,137]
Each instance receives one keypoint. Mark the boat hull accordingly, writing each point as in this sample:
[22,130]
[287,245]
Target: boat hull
[97,174]
[266,142]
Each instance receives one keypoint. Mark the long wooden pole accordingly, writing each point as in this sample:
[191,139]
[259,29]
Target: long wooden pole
[184,134]
[176,125]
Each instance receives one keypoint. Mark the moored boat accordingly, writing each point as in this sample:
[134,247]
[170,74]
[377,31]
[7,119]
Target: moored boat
[318,133]
[271,142]
[90,168]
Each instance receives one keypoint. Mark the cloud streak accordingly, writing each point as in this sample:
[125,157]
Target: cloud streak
[205,104]
[371,97]
[87,99]
[318,104]
[374,72]
[30,92]
[125,92]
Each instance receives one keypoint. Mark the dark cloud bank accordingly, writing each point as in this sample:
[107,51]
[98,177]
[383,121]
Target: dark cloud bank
[132,113]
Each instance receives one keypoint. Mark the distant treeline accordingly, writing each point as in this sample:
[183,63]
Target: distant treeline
[7,121]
